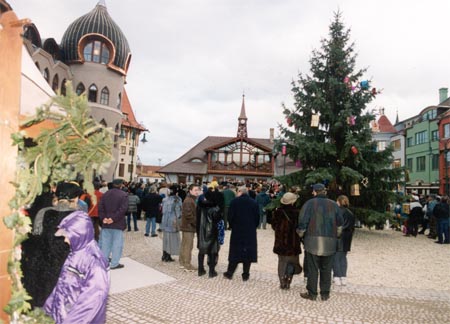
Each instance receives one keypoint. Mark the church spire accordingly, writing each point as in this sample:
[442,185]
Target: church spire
[396,119]
[102,3]
[242,121]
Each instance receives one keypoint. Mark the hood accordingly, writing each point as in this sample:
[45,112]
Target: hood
[78,229]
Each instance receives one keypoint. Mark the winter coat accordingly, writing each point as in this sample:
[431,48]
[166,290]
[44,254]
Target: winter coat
[151,204]
[207,231]
[348,227]
[243,218]
[284,223]
[262,200]
[93,211]
[441,211]
[416,212]
[114,205]
[133,202]
[81,293]
[319,222]
[188,214]
[43,254]
[171,209]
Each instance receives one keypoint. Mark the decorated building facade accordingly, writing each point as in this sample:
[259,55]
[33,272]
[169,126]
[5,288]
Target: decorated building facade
[94,56]
[232,159]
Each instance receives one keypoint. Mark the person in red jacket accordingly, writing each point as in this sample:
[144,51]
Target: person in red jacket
[93,211]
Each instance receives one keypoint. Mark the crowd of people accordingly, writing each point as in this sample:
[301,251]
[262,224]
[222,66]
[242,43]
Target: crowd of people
[76,235]
[429,213]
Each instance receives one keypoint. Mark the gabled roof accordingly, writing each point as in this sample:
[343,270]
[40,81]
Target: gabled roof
[184,163]
[127,110]
[385,125]
[252,141]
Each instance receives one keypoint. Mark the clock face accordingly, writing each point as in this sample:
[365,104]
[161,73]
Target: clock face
[242,121]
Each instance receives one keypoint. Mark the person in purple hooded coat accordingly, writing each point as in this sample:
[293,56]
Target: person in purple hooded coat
[81,292]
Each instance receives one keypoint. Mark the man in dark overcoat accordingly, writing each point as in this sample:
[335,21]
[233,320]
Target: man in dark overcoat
[243,218]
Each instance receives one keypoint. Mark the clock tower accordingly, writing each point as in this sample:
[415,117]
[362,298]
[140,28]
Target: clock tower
[242,121]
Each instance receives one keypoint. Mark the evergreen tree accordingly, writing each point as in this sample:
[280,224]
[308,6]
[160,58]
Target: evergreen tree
[339,151]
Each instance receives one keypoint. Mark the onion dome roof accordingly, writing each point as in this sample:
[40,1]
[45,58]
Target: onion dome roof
[96,22]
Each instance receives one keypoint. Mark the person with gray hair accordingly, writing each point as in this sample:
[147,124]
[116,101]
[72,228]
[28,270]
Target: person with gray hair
[243,219]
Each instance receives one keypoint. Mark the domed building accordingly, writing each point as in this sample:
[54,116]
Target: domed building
[95,56]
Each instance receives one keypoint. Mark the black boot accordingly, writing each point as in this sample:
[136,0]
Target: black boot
[201,267]
[169,258]
[212,261]
[164,257]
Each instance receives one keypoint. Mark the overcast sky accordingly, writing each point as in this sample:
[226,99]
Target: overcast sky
[193,59]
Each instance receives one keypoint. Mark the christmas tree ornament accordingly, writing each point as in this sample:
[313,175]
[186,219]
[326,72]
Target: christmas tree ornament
[298,164]
[374,91]
[354,189]
[289,121]
[346,79]
[354,150]
[364,85]
[351,120]
[315,120]
[365,182]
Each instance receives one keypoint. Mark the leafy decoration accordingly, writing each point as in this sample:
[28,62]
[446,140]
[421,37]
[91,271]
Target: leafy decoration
[75,146]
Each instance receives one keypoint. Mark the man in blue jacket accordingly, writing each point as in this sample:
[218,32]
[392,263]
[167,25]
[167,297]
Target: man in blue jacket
[111,211]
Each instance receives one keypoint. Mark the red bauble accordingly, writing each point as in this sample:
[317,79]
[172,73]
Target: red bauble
[354,150]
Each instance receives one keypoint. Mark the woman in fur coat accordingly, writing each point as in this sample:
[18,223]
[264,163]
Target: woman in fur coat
[287,242]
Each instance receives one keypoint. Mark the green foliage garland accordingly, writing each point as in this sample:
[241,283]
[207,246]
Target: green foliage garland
[76,146]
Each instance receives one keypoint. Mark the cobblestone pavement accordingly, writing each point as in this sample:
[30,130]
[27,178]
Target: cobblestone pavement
[392,279]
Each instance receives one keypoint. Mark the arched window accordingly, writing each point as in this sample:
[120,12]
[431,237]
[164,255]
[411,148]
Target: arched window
[55,83]
[116,135]
[104,96]
[63,87]
[37,65]
[92,97]
[103,122]
[96,51]
[46,75]
[80,88]
[119,101]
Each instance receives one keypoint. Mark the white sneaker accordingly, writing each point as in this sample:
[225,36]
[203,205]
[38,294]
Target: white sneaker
[337,281]
[343,281]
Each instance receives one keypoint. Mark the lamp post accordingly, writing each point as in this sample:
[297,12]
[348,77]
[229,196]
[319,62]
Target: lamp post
[132,149]
[446,166]
[283,152]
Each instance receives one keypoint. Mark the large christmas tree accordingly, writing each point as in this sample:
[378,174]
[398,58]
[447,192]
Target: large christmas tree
[329,132]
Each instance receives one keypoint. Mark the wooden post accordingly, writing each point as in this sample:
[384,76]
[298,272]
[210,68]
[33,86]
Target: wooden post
[10,76]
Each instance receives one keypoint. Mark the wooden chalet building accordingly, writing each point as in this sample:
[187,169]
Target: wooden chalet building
[232,159]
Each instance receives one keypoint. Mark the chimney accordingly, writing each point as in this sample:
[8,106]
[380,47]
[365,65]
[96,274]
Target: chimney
[271,136]
[443,94]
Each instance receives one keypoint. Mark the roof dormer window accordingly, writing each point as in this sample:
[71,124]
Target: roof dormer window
[96,51]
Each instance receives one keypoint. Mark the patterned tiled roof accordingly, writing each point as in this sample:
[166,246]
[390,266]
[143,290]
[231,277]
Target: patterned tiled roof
[385,125]
[97,21]
[127,110]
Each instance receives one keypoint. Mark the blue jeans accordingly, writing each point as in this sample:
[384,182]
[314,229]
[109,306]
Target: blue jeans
[340,264]
[443,230]
[152,221]
[111,244]
[134,214]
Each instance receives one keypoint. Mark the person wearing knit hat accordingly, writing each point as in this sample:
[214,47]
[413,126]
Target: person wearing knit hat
[287,242]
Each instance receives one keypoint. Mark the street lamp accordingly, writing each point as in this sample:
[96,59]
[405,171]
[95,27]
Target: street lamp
[283,152]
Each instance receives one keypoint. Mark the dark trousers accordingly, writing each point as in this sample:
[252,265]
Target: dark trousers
[134,216]
[424,225]
[413,227]
[245,265]
[212,261]
[319,265]
[433,227]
